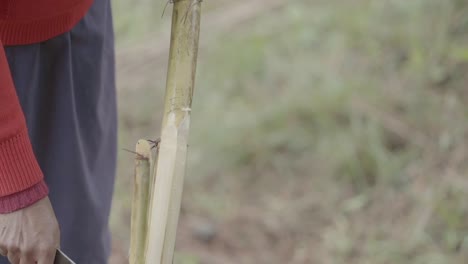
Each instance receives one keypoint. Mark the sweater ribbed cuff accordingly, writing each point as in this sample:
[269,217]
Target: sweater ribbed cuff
[20,200]
[19,169]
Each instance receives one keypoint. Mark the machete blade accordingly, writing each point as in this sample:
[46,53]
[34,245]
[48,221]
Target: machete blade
[61,258]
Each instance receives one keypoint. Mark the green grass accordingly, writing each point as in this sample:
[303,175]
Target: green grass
[343,122]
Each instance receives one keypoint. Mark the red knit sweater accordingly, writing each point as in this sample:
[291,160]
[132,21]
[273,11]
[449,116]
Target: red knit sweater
[25,22]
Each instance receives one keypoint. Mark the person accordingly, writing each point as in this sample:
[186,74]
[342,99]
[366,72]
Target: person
[58,130]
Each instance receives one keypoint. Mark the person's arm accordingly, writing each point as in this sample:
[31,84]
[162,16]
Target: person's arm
[29,230]
[18,166]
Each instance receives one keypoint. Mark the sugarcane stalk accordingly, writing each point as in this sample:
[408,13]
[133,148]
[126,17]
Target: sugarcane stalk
[141,202]
[171,163]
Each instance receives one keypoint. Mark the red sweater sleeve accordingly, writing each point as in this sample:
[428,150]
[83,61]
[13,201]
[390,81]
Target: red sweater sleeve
[19,170]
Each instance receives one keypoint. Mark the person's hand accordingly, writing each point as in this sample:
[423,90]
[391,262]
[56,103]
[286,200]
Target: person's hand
[30,235]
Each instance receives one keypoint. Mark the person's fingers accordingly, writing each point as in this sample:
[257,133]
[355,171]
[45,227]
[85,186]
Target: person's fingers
[28,256]
[13,255]
[3,251]
[46,257]
[27,259]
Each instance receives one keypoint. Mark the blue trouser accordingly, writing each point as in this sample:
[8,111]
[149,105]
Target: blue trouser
[66,88]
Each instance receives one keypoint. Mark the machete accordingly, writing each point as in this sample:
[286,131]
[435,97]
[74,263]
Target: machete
[61,258]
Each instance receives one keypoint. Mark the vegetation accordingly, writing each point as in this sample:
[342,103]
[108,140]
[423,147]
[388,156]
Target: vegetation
[322,132]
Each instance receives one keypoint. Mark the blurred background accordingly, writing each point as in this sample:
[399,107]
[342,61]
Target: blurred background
[323,131]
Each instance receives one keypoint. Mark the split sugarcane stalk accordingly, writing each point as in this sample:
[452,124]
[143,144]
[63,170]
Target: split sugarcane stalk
[141,201]
[171,164]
